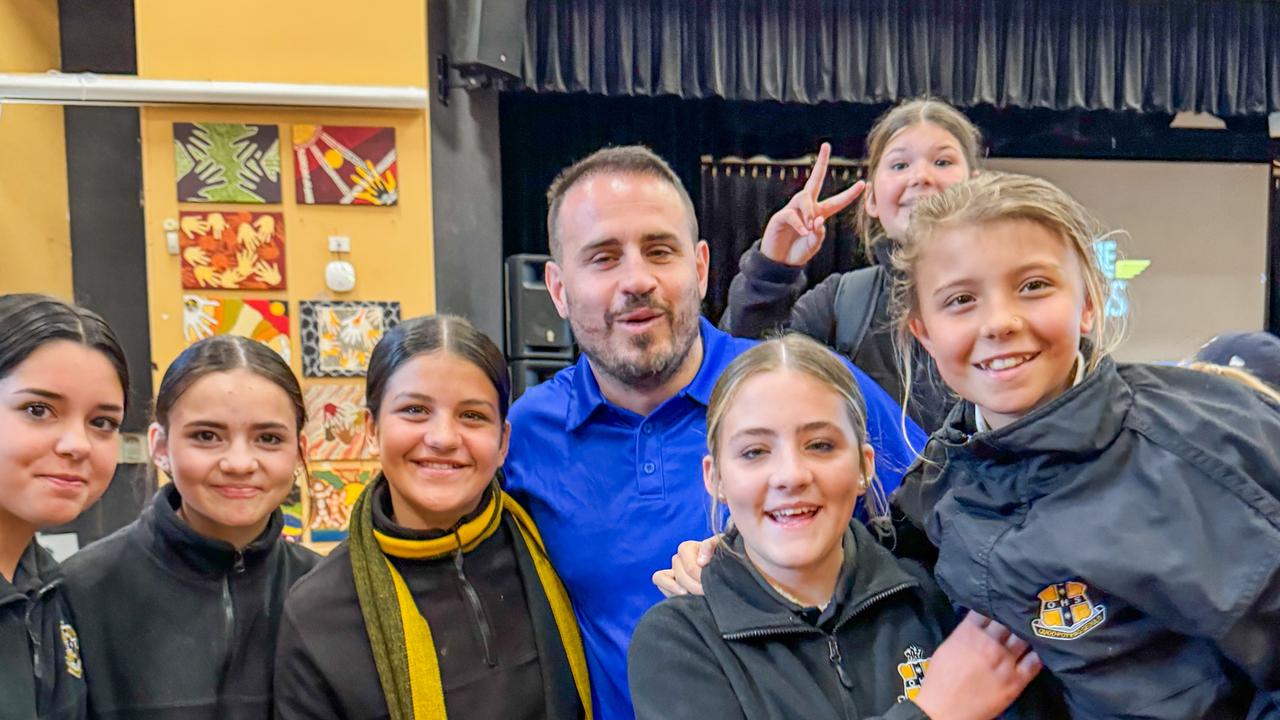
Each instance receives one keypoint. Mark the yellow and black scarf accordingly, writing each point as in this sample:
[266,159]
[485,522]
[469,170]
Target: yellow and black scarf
[403,650]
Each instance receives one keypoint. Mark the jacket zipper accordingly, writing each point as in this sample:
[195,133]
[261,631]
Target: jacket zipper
[477,611]
[229,610]
[833,655]
[34,637]
[833,646]
[36,665]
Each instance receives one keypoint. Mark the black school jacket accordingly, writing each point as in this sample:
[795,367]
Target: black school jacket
[1129,530]
[176,625]
[742,651]
[41,671]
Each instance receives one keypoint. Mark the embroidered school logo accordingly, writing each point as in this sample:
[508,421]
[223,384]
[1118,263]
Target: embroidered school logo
[912,672]
[71,649]
[1066,612]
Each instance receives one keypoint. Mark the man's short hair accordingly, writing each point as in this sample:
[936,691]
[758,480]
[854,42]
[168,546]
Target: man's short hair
[628,159]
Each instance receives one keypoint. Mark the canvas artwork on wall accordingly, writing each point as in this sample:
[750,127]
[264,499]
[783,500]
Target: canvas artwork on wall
[336,421]
[232,250]
[266,321]
[337,337]
[333,492]
[336,165]
[227,162]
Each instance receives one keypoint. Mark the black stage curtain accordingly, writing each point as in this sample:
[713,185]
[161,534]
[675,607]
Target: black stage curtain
[1220,56]
[737,200]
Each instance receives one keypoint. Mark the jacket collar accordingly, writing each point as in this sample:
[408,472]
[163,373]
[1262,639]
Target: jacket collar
[171,539]
[383,513]
[742,602]
[1080,422]
[37,571]
[1001,470]
[585,397]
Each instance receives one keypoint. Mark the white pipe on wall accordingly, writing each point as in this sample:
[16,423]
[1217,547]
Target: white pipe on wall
[89,89]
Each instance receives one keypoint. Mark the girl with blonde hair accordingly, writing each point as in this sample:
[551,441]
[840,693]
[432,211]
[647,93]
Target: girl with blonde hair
[1122,519]
[804,613]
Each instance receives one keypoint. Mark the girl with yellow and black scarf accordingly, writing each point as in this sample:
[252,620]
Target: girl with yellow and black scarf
[442,603]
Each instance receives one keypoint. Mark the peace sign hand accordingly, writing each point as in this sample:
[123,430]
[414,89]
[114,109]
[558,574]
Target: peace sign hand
[795,233]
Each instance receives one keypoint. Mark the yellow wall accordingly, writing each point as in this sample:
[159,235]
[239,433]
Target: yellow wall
[311,41]
[390,246]
[35,233]
[304,41]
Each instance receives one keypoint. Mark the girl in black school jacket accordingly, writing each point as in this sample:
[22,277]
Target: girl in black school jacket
[179,610]
[805,614]
[63,384]
[1122,519]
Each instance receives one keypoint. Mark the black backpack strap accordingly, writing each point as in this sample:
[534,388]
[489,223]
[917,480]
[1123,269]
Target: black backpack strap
[857,296]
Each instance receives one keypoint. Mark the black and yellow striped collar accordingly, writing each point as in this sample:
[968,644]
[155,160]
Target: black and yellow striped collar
[465,536]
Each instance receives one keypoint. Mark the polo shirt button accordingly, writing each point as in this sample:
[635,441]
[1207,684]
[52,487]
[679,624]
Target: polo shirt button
[648,429]
[648,468]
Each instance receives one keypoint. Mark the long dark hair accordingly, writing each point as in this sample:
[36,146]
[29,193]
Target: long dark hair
[28,321]
[429,334]
[221,353]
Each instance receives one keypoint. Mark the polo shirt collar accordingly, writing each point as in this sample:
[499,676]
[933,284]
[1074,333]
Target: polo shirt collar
[586,398]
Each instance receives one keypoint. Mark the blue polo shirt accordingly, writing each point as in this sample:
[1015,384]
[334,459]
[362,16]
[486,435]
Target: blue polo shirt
[615,493]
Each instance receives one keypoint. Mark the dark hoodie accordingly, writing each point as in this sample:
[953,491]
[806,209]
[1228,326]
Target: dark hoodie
[41,671]
[1129,530]
[743,651]
[177,625]
[767,296]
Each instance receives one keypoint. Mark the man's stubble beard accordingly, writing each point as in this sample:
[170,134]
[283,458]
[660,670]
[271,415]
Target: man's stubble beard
[646,371]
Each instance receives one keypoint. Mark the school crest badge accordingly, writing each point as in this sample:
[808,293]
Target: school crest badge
[71,650]
[912,672]
[1066,612]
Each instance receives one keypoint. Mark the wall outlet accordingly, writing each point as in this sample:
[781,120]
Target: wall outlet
[339,244]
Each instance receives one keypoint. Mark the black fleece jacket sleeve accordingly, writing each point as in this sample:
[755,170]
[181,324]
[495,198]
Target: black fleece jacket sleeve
[766,296]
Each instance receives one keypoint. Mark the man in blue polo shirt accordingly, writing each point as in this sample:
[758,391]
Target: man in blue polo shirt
[607,455]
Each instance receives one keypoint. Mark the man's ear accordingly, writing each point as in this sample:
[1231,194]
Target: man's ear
[702,256]
[553,276]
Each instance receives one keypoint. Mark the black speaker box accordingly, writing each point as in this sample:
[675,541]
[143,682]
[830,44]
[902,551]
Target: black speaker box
[534,329]
[486,37]
[527,373]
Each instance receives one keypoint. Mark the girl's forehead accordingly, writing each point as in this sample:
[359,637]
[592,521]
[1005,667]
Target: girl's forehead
[921,130]
[441,374]
[68,369]
[240,387]
[988,246]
